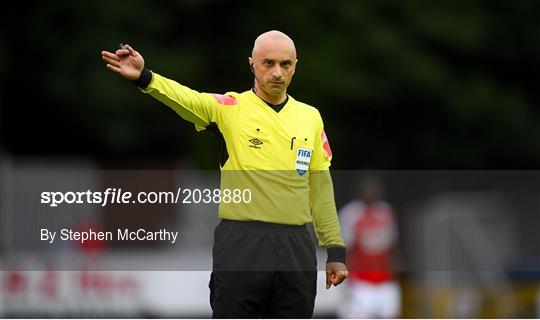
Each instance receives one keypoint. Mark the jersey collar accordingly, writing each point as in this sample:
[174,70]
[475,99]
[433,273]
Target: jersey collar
[276,107]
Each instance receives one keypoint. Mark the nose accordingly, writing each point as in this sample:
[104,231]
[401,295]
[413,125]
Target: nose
[276,72]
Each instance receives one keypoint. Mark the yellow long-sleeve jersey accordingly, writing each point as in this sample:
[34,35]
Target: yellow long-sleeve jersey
[283,157]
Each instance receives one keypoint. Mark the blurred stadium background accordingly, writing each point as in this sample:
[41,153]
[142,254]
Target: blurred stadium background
[439,99]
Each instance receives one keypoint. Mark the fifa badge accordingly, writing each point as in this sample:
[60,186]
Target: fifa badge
[303,158]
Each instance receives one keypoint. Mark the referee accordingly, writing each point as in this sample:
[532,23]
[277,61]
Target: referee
[264,262]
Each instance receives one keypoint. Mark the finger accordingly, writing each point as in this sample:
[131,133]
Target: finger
[122,52]
[111,61]
[328,281]
[131,50]
[113,68]
[342,274]
[339,277]
[109,55]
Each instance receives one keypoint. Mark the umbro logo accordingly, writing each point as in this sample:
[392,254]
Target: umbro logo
[255,143]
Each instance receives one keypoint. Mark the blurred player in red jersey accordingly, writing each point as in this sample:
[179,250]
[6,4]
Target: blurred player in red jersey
[369,230]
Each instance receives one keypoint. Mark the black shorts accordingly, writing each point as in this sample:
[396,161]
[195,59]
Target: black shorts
[262,270]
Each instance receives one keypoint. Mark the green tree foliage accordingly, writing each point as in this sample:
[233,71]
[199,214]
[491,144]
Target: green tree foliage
[400,84]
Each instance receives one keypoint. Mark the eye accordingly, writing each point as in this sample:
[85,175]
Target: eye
[268,63]
[286,64]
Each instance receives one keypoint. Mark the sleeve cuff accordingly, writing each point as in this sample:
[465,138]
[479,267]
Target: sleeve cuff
[144,80]
[336,254]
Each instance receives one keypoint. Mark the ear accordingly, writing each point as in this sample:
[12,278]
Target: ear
[250,60]
[295,63]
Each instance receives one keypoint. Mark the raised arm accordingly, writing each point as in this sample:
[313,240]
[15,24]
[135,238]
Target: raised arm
[198,108]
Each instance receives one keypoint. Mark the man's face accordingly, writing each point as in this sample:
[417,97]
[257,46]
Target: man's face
[369,193]
[274,64]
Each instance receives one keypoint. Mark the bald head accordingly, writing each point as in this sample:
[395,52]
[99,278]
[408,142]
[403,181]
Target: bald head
[273,41]
[273,62]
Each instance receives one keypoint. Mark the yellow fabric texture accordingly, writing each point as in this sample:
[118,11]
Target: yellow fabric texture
[263,146]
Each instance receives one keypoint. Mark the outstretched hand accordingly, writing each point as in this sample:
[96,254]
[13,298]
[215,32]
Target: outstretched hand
[125,61]
[336,273]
